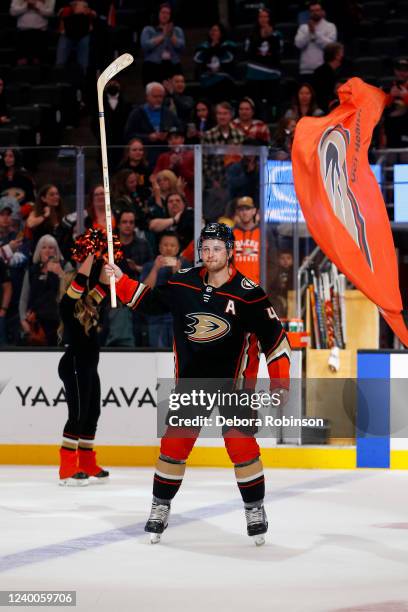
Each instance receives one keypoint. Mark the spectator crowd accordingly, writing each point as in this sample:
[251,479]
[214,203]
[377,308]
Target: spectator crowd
[248,89]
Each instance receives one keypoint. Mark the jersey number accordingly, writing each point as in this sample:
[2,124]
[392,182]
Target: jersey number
[271,313]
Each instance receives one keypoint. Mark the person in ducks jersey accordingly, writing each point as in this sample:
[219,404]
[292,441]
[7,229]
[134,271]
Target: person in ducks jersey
[221,319]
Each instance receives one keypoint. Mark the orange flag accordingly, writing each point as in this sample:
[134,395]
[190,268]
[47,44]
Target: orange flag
[341,200]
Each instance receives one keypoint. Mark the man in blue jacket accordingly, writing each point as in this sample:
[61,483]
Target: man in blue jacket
[151,121]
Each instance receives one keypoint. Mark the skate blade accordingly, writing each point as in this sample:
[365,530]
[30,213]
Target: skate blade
[155,538]
[98,481]
[259,539]
[73,482]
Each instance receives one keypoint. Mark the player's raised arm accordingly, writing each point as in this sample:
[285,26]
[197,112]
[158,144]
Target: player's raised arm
[137,295]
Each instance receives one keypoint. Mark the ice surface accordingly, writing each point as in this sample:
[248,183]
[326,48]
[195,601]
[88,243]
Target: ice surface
[337,541]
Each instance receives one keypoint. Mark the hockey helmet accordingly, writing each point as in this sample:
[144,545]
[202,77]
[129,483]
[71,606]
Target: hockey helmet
[216,231]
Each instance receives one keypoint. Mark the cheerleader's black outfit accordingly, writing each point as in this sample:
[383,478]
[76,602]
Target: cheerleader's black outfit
[78,370]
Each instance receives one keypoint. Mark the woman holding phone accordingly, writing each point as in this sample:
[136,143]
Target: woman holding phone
[38,305]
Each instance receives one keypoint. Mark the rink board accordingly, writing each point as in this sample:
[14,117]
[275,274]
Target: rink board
[385,445]
[33,409]
[33,413]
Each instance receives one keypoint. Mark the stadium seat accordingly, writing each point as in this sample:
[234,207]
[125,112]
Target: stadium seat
[49,94]
[18,94]
[291,11]
[141,6]
[5,72]
[64,74]
[129,18]
[7,55]
[242,32]
[396,27]
[244,11]
[58,95]
[385,46]
[9,136]
[358,46]
[290,68]
[7,37]
[287,29]
[372,66]
[6,20]
[62,103]
[42,121]
[289,86]
[369,28]
[194,89]
[289,50]
[29,115]
[402,8]
[27,74]
[375,10]
[125,40]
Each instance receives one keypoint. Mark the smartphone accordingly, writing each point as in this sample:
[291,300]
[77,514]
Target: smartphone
[170,261]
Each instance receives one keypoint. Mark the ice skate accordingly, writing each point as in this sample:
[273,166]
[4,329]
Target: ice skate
[69,472]
[158,521]
[87,463]
[102,476]
[257,524]
[79,479]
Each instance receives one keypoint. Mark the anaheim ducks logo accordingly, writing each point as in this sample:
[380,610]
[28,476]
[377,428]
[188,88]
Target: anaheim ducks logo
[333,168]
[247,283]
[206,327]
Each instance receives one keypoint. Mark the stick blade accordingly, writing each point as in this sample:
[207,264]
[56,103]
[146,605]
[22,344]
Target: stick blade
[119,64]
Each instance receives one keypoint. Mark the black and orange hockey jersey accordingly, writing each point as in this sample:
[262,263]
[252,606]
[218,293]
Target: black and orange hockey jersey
[218,332]
[247,252]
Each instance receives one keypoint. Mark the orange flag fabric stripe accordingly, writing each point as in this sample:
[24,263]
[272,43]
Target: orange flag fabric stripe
[341,200]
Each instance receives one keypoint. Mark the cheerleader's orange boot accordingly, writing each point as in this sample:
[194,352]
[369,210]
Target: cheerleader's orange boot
[69,472]
[87,463]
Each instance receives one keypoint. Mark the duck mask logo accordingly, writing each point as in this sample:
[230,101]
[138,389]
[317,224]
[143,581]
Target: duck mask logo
[206,327]
[333,168]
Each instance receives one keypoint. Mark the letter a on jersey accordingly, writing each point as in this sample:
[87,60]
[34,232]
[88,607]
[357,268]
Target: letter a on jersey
[230,307]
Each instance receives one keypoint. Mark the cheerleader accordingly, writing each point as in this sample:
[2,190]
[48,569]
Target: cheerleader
[78,370]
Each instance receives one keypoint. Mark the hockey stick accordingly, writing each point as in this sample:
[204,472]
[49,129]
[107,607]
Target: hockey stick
[314,316]
[328,309]
[342,301]
[111,71]
[336,307]
[321,343]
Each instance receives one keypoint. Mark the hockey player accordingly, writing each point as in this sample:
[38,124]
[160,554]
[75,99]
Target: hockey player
[220,318]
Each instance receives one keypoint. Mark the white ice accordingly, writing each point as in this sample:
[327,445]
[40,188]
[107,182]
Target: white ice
[337,541]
